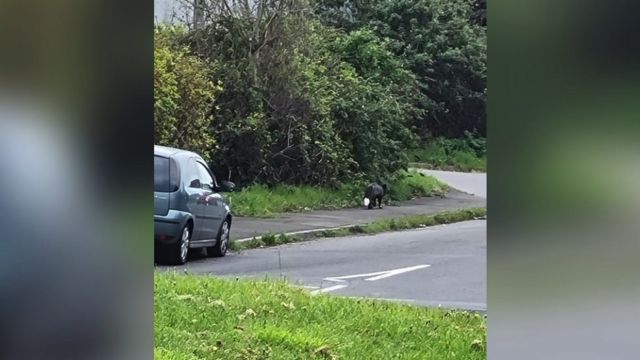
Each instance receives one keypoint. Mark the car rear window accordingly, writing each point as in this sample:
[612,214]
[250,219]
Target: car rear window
[162,174]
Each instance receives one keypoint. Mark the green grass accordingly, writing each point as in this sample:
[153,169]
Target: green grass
[211,318]
[450,154]
[260,200]
[375,227]
[410,184]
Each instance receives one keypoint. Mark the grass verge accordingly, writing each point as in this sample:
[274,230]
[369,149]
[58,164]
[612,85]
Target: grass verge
[261,200]
[451,154]
[211,318]
[394,224]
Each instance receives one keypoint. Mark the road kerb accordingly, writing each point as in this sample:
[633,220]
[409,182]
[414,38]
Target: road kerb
[320,233]
[304,233]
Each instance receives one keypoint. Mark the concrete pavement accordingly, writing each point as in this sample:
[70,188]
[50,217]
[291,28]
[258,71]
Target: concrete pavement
[247,227]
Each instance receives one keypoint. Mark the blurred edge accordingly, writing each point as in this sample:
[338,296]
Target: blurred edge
[76,110]
[564,168]
[75,129]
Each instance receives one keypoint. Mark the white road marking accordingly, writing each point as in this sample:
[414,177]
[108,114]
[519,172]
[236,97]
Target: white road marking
[378,275]
[374,276]
[397,272]
[343,278]
[329,289]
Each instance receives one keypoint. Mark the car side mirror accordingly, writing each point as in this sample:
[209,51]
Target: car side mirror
[226,186]
[195,183]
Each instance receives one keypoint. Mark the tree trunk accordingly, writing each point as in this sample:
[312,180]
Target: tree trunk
[198,14]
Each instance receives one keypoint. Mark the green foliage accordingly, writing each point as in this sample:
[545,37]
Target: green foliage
[298,105]
[465,154]
[184,93]
[442,42]
[476,143]
[283,97]
[448,55]
[410,184]
[377,103]
[275,124]
[261,200]
[200,317]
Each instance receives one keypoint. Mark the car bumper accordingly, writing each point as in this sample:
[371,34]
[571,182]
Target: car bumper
[167,228]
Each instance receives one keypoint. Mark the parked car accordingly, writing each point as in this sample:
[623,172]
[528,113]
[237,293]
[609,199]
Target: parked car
[189,208]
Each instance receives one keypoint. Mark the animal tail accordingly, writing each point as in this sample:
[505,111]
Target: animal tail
[366,201]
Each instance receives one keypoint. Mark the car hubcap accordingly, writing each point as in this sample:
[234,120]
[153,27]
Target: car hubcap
[184,244]
[225,237]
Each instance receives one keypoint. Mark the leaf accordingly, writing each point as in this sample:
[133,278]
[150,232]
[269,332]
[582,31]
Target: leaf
[288,305]
[324,351]
[477,345]
[217,303]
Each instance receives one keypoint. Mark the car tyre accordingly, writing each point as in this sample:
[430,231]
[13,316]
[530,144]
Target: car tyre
[222,245]
[176,254]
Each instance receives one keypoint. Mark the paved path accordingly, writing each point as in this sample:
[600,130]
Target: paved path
[440,265]
[247,227]
[472,183]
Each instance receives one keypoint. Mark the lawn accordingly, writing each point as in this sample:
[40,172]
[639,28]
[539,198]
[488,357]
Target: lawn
[261,200]
[211,318]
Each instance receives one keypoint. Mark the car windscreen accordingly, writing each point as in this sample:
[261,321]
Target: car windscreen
[161,174]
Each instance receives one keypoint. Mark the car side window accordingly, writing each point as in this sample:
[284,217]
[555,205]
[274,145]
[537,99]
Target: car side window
[192,175]
[205,176]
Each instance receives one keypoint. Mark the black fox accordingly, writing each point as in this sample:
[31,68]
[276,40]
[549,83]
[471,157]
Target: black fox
[374,192]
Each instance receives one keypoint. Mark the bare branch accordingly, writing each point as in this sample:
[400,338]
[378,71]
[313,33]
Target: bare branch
[282,152]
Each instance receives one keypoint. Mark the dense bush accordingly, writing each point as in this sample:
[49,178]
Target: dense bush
[184,93]
[282,94]
[298,106]
[442,42]
[464,154]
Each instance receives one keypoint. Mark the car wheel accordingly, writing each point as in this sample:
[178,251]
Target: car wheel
[177,253]
[221,246]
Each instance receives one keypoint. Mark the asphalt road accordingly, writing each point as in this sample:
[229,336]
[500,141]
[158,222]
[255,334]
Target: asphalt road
[436,266]
[471,183]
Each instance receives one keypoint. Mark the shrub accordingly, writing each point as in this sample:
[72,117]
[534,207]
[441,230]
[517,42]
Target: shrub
[184,93]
